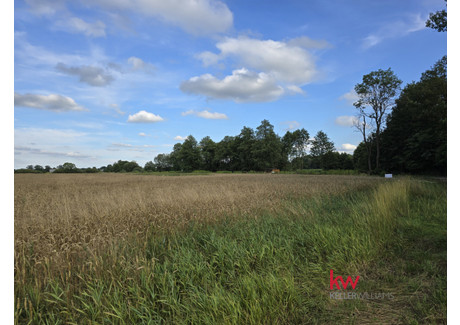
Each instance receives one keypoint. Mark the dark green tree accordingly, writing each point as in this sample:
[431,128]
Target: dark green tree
[190,154]
[208,154]
[162,162]
[415,139]
[376,96]
[320,147]
[300,141]
[227,155]
[175,157]
[149,166]
[245,148]
[267,149]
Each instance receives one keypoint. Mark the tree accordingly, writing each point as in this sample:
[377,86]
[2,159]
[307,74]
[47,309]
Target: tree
[190,154]
[227,155]
[39,168]
[208,154]
[415,139]
[438,20]
[267,149]
[162,162]
[245,146]
[300,141]
[175,157]
[364,125]
[321,146]
[376,98]
[149,166]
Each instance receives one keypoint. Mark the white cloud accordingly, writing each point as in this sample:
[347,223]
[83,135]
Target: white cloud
[144,117]
[346,120]
[290,125]
[52,102]
[142,134]
[350,97]
[347,147]
[206,114]
[180,138]
[241,86]
[395,29]
[94,76]
[197,17]
[77,25]
[139,64]
[287,62]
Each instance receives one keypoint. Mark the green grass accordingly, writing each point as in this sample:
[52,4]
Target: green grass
[268,269]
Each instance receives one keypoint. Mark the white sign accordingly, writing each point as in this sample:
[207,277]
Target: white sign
[388,175]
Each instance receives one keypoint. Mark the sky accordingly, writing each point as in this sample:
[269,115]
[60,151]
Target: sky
[103,80]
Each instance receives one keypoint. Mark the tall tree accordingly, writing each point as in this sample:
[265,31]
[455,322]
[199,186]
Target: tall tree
[300,141]
[190,154]
[268,147]
[320,147]
[226,154]
[364,126]
[208,153]
[245,147]
[415,139]
[376,98]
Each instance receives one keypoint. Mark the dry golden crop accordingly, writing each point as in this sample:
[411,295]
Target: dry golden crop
[61,218]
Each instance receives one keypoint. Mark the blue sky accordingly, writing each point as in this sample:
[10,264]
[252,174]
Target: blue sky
[102,80]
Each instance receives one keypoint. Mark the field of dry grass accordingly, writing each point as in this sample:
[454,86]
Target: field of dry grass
[65,214]
[239,249]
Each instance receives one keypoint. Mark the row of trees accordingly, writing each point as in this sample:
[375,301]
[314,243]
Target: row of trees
[251,150]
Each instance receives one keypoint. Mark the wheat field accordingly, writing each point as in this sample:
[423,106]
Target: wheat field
[222,248]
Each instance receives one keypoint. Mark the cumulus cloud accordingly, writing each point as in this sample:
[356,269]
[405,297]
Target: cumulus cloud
[288,62]
[144,117]
[77,25]
[197,17]
[142,134]
[241,86]
[347,147]
[350,97]
[180,138]
[52,102]
[346,120]
[94,76]
[206,114]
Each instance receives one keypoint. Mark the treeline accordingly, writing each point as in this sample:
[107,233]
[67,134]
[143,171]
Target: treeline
[252,150]
[414,140]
